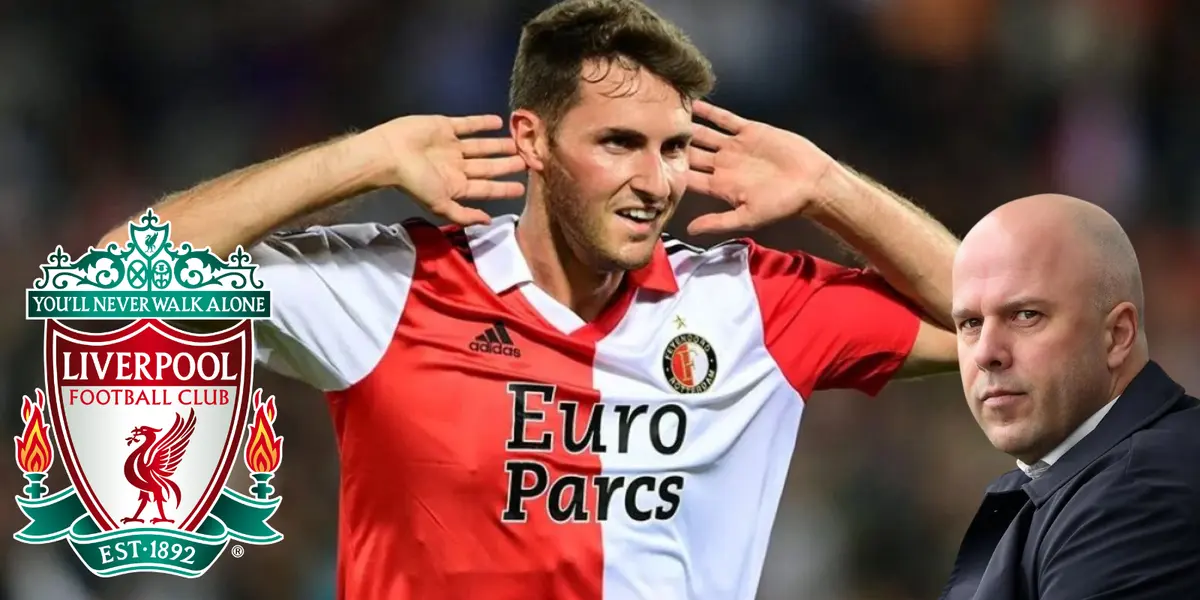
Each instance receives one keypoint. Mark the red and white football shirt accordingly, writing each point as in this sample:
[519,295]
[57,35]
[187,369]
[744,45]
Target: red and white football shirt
[494,445]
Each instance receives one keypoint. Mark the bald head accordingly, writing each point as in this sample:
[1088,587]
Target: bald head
[1048,307]
[1086,244]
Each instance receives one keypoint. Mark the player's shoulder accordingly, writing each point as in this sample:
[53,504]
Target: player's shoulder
[723,267]
[412,236]
[681,251]
[742,254]
[340,237]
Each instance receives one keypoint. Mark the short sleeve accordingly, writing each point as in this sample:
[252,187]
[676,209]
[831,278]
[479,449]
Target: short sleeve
[337,294]
[830,326]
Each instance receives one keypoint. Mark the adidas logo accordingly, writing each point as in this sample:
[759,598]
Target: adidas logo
[495,340]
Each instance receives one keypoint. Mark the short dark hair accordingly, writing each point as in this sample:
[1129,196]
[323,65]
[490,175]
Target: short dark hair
[557,42]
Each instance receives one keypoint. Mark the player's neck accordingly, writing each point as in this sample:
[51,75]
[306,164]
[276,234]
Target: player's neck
[558,271]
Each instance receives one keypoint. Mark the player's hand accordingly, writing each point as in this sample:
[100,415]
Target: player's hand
[432,158]
[766,174]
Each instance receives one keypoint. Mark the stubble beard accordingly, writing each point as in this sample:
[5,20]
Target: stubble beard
[1060,407]
[582,230]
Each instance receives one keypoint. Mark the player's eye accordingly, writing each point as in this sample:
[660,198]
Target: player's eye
[621,142]
[675,147]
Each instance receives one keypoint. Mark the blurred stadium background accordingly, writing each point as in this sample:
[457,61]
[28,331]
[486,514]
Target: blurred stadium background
[958,104]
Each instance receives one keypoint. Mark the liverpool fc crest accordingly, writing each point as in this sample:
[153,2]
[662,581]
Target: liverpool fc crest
[148,421]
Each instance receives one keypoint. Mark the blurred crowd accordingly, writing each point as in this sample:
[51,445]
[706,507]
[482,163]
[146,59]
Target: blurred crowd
[957,104]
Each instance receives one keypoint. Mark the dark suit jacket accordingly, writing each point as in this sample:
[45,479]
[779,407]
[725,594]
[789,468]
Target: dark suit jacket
[1117,517]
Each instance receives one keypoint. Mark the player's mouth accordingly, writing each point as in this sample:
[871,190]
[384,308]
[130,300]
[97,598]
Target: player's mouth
[640,220]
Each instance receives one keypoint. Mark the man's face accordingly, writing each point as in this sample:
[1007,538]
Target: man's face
[617,166]
[1030,340]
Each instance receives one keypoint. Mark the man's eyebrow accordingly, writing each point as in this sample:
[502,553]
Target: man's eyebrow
[959,312]
[682,138]
[1018,303]
[624,132]
[1023,302]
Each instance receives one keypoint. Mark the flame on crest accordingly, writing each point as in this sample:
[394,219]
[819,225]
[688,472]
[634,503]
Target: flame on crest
[34,452]
[264,451]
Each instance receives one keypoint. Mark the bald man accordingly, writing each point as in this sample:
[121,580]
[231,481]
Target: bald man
[1105,502]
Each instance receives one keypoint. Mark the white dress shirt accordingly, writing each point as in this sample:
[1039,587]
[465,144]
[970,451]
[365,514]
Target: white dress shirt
[1036,469]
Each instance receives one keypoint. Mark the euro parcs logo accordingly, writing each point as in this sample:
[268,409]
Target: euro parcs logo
[148,419]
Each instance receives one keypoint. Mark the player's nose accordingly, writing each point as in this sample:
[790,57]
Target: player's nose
[653,182]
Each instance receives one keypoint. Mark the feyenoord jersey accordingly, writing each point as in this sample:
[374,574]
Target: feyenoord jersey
[495,446]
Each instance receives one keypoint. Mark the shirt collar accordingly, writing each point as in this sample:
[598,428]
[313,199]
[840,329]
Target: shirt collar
[501,265]
[1081,432]
[1150,395]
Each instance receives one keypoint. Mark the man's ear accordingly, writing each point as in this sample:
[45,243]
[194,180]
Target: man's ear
[529,133]
[1121,331]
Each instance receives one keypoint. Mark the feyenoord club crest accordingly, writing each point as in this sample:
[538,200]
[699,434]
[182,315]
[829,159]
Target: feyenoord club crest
[148,419]
[689,364]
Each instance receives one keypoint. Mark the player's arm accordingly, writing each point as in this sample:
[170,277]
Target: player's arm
[337,291]
[426,156]
[934,351]
[241,207]
[910,250]
[768,174]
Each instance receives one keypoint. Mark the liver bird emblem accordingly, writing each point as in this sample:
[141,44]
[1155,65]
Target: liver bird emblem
[152,464]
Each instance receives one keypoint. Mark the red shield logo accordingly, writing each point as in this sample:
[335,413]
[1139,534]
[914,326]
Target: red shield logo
[148,418]
[689,364]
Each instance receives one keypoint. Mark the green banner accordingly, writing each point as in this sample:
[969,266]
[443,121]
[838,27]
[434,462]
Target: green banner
[148,549]
[157,304]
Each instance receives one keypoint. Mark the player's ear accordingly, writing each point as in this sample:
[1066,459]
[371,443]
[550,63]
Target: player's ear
[529,132]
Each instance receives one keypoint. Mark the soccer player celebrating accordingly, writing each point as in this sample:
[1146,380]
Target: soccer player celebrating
[569,404]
